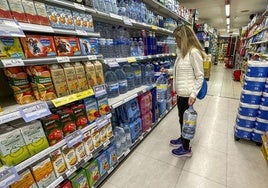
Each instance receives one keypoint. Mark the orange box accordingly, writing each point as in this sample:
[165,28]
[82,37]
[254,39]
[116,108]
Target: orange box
[67,46]
[41,12]
[30,11]
[38,46]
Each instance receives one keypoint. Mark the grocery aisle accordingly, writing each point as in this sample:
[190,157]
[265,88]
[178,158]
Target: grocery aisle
[217,162]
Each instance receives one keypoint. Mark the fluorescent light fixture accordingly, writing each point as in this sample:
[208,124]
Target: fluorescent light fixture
[228,21]
[228,27]
[227,10]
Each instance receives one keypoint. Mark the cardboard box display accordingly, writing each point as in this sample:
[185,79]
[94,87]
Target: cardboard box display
[90,74]
[93,173]
[71,78]
[88,143]
[41,12]
[69,156]
[80,116]
[91,107]
[10,47]
[59,80]
[17,10]
[30,11]
[103,163]
[26,180]
[67,46]
[80,180]
[58,162]
[89,46]
[32,82]
[43,173]
[38,46]
[5,10]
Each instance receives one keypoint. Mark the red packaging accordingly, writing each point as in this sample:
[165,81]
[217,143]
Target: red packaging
[67,121]
[30,11]
[38,46]
[67,46]
[42,13]
[5,10]
[17,10]
[66,184]
[80,116]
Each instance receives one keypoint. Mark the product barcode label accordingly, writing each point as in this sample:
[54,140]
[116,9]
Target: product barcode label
[34,111]
[74,138]
[12,62]
[8,176]
[63,59]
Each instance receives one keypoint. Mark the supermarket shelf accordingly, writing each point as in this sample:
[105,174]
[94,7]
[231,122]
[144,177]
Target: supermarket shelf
[259,54]
[264,29]
[123,98]
[49,29]
[260,42]
[260,19]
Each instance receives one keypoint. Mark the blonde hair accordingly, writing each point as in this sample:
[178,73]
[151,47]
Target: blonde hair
[188,40]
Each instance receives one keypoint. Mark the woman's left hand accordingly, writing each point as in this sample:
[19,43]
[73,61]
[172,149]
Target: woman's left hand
[191,101]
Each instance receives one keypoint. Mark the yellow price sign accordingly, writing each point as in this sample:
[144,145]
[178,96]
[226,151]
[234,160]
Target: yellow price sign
[60,101]
[84,94]
[131,59]
[154,27]
[162,86]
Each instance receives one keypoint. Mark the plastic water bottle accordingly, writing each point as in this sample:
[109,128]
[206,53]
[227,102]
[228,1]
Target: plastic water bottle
[161,86]
[128,136]
[123,138]
[143,73]
[130,76]
[137,71]
[149,70]
[112,84]
[108,6]
[96,4]
[150,43]
[114,6]
[122,79]
[109,47]
[118,144]
[101,6]
[102,45]
[189,123]
[134,47]
[140,47]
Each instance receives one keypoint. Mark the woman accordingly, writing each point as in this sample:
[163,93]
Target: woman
[188,75]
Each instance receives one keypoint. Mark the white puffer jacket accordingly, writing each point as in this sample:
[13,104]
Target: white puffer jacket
[188,73]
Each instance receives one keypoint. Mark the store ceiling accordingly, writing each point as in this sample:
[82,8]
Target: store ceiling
[212,12]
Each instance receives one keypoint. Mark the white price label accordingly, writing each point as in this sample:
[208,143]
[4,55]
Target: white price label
[81,32]
[117,104]
[127,152]
[88,157]
[56,182]
[79,6]
[141,137]
[34,111]
[8,176]
[110,170]
[63,59]
[74,138]
[112,63]
[12,62]
[127,21]
[101,123]
[9,117]
[91,57]
[10,27]
[106,143]
[115,16]
[99,90]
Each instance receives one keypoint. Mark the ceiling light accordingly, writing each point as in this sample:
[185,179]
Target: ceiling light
[228,27]
[228,21]
[227,10]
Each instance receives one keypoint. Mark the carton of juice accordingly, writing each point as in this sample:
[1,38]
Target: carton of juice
[32,82]
[30,12]
[10,48]
[95,134]
[90,73]
[20,85]
[93,173]
[88,143]
[99,72]
[42,13]
[67,121]
[81,76]
[103,163]
[67,46]
[103,105]
[52,128]
[44,82]
[59,80]
[80,151]
[43,173]
[69,156]
[109,130]
[80,179]
[71,78]
[91,107]
[26,180]
[66,184]
[58,162]
[80,116]
[38,46]
[5,10]
[17,10]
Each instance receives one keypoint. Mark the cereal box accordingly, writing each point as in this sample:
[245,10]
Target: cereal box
[81,76]
[38,46]
[90,74]
[10,48]
[67,46]
[17,10]
[58,162]
[80,20]
[42,13]
[69,156]
[71,78]
[43,173]
[5,10]
[89,46]
[30,11]
[32,82]
[26,180]
[93,173]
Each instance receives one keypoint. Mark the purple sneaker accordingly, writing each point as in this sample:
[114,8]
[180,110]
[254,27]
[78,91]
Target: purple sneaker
[176,142]
[181,152]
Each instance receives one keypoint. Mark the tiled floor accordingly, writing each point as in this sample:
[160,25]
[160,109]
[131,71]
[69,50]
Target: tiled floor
[217,162]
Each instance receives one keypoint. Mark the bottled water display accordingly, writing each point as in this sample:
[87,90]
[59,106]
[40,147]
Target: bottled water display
[140,47]
[149,73]
[137,71]
[130,76]
[112,83]
[128,136]
[189,123]
[122,79]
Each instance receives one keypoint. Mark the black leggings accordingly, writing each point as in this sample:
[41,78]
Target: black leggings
[182,104]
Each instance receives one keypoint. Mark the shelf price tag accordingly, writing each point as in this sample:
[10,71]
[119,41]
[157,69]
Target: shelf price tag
[34,111]
[79,6]
[115,16]
[131,59]
[81,32]
[112,63]
[8,176]
[12,62]
[100,90]
[63,59]
[154,27]
[92,57]
[101,122]
[131,97]
[74,138]
[60,101]
[9,27]
[127,21]
[84,94]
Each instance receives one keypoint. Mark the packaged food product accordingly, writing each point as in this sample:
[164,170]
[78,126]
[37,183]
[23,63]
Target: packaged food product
[103,163]
[69,156]
[5,10]
[90,73]
[20,85]
[88,143]
[103,105]
[38,46]
[95,134]
[10,48]
[43,173]
[90,26]
[71,78]
[30,11]
[103,134]
[111,154]
[89,46]
[91,107]
[66,184]
[32,82]
[67,46]
[43,81]
[52,128]
[80,116]
[67,121]
[109,130]
[81,76]
[59,80]
[13,149]
[80,180]
[26,180]
[80,20]
[99,72]
[60,17]
[17,10]
[33,135]
[93,173]
[58,162]
[42,13]
[80,151]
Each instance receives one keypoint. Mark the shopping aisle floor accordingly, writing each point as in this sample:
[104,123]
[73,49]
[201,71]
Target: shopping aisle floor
[218,160]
